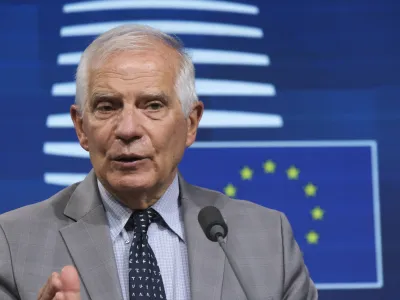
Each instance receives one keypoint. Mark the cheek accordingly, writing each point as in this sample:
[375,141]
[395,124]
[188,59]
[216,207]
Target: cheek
[169,143]
[99,139]
[177,142]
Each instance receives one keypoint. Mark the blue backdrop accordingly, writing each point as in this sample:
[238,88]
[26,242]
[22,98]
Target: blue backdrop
[302,115]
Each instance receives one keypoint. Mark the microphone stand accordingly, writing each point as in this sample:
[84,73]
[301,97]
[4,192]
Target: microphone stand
[247,291]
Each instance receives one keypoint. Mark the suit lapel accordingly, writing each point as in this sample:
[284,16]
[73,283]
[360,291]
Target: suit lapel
[206,259]
[90,246]
[89,243]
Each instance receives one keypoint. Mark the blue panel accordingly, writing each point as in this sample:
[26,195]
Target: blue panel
[316,184]
[319,71]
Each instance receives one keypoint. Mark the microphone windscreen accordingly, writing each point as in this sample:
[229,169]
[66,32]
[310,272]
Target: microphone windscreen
[209,217]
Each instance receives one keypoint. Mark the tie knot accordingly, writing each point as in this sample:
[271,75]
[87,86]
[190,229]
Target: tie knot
[140,220]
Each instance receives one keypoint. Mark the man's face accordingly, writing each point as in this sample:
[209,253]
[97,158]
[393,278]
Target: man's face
[133,125]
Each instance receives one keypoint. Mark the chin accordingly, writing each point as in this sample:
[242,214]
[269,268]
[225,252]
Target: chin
[122,181]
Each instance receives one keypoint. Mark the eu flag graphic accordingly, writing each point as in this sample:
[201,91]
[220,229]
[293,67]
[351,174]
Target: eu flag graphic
[328,190]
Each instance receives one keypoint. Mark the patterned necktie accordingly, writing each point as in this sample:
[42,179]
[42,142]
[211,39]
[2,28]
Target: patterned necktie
[145,281]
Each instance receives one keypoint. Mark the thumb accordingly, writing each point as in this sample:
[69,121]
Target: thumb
[70,283]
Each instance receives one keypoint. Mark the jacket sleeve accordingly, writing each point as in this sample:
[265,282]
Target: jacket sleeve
[8,290]
[297,283]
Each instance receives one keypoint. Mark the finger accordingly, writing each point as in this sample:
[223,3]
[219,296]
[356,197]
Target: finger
[70,279]
[71,296]
[41,292]
[52,286]
[71,285]
[59,296]
[45,286]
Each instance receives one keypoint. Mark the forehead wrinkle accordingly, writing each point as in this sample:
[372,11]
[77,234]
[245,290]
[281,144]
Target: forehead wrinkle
[129,83]
[120,68]
[104,75]
[125,85]
[101,92]
[150,91]
[170,60]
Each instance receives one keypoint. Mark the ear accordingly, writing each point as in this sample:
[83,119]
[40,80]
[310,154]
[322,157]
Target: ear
[77,118]
[193,121]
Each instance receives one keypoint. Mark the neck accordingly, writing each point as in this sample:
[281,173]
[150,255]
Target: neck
[140,199]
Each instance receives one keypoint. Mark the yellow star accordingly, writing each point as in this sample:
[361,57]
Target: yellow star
[293,172]
[310,190]
[312,237]
[269,166]
[230,190]
[246,173]
[317,213]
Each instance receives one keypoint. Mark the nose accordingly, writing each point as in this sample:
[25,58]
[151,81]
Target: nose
[129,127]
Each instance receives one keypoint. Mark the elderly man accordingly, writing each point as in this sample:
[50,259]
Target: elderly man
[129,230]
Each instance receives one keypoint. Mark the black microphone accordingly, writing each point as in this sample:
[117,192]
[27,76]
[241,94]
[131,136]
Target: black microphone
[215,229]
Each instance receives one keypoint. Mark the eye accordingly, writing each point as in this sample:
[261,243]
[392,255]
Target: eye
[104,107]
[156,105]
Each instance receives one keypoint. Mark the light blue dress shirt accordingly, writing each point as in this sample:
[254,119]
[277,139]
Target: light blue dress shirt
[168,244]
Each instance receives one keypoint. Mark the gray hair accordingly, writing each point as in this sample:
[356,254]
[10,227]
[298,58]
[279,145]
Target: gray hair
[135,37]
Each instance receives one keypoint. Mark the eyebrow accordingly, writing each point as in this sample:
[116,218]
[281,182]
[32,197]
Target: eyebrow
[146,96]
[161,96]
[104,95]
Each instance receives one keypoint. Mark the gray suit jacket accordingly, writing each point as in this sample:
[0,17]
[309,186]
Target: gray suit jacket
[71,228]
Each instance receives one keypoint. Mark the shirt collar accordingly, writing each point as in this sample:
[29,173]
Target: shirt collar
[167,206]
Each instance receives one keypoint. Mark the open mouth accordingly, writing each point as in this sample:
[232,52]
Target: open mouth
[127,159]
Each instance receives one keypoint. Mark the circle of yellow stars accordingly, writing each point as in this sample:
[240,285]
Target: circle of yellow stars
[292,173]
